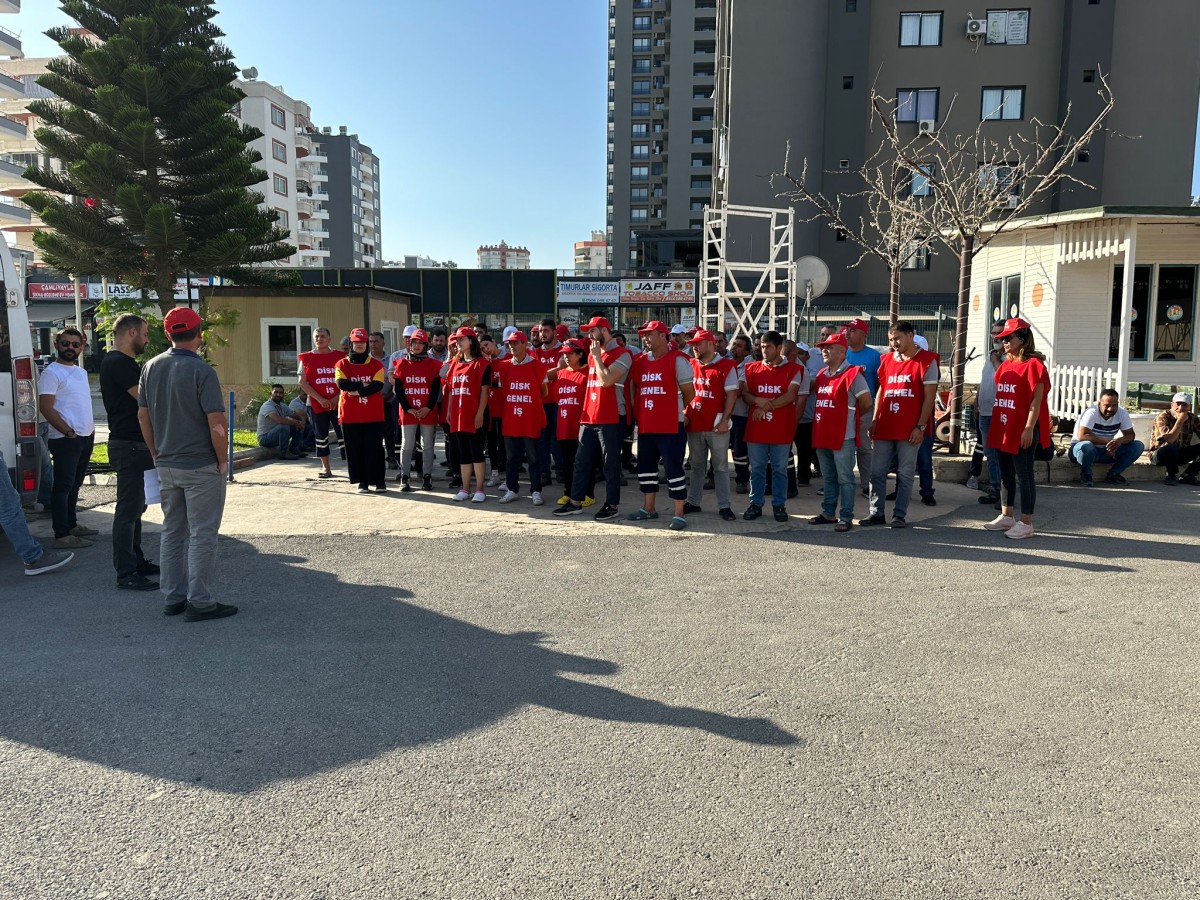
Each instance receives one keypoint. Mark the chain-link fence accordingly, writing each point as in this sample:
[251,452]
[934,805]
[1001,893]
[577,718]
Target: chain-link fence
[936,323]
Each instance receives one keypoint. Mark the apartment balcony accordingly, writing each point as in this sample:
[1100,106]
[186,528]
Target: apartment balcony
[11,129]
[15,217]
[304,208]
[315,253]
[304,145]
[317,156]
[10,44]
[319,195]
[303,187]
[368,260]
[317,176]
[11,88]
[320,212]
[10,6]
[313,232]
[12,179]
[367,206]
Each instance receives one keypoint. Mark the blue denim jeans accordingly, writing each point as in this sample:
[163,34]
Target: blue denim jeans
[837,468]
[281,438]
[12,519]
[45,494]
[1086,454]
[991,454]
[762,455]
[925,465]
[904,456]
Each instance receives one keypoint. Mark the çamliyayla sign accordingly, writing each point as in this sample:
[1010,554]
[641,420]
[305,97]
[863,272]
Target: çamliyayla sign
[671,291]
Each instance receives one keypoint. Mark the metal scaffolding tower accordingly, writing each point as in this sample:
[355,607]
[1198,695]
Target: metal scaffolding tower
[748,297]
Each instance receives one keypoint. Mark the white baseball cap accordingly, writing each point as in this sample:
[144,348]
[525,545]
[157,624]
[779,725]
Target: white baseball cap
[679,329]
[919,340]
[509,332]
[1182,397]
[409,329]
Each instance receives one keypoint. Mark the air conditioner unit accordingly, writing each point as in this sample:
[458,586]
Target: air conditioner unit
[927,126]
[976,28]
[1014,200]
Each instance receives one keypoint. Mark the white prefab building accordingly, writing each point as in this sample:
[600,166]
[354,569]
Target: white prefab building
[1109,288]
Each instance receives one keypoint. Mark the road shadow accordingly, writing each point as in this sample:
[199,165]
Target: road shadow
[313,674]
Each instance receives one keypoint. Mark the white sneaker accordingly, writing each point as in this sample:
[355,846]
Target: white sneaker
[509,497]
[1001,523]
[460,496]
[973,483]
[537,498]
[495,479]
[1019,531]
[479,497]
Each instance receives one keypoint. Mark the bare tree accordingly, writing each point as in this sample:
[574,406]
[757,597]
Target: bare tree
[980,184]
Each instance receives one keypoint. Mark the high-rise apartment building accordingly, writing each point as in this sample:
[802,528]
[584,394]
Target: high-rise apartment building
[755,76]
[502,256]
[662,66]
[18,149]
[592,256]
[353,199]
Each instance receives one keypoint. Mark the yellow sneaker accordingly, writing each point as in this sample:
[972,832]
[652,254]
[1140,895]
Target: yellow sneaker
[589,501]
[564,500]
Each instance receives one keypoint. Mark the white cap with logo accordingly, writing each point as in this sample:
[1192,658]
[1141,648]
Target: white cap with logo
[1182,397]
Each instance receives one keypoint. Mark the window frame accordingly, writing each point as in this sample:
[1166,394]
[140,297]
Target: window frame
[276,178]
[264,347]
[282,115]
[1187,320]
[278,146]
[1003,89]
[1007,12]
[922,13]
[916,104]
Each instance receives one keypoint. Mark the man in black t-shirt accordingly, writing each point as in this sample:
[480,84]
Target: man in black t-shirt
[127,451]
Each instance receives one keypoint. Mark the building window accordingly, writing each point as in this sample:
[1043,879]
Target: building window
[641,108]
[639,194]
[640,129]
[281,185]
[641,23]
[916,104]
[639,173]
[918,257]
[1083,155]
[701,183]
[641,67]
[278,116]
[697,206]
[1003,104]
[840,235]
[279,150]
[923,29]
[639,214]
[282,341]
[282,217]
[996,179]
[847,82]
[918,185]
[704,70]
[641,87]
[1175,313]
[641,45]
[702,93]
[1008,26]
[641,151]
[851,5]
[1089,76]
[1138,332]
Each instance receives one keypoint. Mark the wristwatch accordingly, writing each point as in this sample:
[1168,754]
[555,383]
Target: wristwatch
[921,427]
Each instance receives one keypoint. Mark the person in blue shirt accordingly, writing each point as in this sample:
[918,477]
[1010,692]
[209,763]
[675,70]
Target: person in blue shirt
[860,354]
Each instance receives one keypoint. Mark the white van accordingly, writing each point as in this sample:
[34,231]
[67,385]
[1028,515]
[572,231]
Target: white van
[18,383]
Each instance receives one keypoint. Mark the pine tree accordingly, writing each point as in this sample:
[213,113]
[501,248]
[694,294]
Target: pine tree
[157,174]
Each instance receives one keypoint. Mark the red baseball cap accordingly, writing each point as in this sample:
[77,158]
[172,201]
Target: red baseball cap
[562,332]
[517,336]
[703,335]
[580,344]
[835,340]
[359,336]
[181,318]
[654,325]
[598,322]
[1013,325]
[465,331]
[419,335]
[859,325]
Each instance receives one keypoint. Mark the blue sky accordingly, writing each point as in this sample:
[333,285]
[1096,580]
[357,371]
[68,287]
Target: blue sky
[488,117]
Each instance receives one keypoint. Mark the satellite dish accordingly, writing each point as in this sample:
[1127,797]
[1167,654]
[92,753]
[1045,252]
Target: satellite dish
[250,74]
[812,277]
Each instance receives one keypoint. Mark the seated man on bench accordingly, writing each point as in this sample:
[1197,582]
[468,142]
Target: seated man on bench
[1104,434]
[1176,440]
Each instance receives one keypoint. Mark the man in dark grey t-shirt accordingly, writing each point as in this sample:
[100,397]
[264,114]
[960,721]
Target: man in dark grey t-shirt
[181,411]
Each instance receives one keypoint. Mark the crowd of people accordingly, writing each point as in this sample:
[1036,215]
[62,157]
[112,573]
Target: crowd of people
[563,408]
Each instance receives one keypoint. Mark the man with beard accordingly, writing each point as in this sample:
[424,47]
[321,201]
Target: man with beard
[65,402]
[127,451]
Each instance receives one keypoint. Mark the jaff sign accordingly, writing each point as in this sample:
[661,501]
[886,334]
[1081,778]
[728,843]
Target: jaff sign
[583,292]
[663,292]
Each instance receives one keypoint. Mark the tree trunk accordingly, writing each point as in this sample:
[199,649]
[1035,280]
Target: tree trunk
[894,296]
[966,258]
[165,291]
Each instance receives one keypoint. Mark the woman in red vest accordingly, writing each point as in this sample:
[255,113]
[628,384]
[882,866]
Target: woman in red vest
[520,380]
[1020,424]
[418,390]
[466,387]
[567,383]
[360,378]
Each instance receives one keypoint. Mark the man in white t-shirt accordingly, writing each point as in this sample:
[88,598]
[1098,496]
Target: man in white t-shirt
[1104,434]
[65,402]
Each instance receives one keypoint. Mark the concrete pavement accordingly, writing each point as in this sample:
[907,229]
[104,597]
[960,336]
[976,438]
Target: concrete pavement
[427,699]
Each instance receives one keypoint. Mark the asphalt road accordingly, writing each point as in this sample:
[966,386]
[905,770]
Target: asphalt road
[520,707]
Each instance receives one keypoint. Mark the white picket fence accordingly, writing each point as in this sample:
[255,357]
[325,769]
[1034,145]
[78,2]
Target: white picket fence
[1074,388]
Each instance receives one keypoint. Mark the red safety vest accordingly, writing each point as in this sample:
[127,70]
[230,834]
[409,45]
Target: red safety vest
[353,409]
[600,402]
[416,377]
[1015,384]
[655,393]
[462,390]
[568,392]
[777,426]
[902,394]
[318,371]
[548,357]
[833,408]
[521,387]
[709,382]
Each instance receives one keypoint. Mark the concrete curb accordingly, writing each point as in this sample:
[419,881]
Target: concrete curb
[1062,469]
[242,459]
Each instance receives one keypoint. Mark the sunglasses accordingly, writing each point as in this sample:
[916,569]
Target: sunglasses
[1007,338]
[72,345]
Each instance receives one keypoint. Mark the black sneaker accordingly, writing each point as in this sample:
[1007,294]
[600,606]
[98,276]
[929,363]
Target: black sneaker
[607,512]
[136,582]
[1170,479]
[455,482]
[145,567]
[897,522]
[568,509]
[742,487]
[929,501]
[175,608]
[1189,479]
[781,513]
[727,514]
[1116,479]
[427,483]
[691,508]
[1085,481]
[753,511]
[216,611]
[48,562]
[866,492]
[793,493]
[989,498]
[873,520]
[890,496]
[405,487]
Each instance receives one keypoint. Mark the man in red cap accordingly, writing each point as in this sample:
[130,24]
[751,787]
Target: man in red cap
[317,381]
[709,419]
[181,411]
[567,383]
[771,389]
[418,385]
[360,380]
[661,382]
[843,397]
[866,358]
[521,380]
[602,421]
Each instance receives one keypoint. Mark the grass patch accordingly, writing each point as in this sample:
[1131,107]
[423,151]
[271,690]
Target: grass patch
[243,439]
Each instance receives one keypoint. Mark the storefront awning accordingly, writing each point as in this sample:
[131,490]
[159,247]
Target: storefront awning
[47,315]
